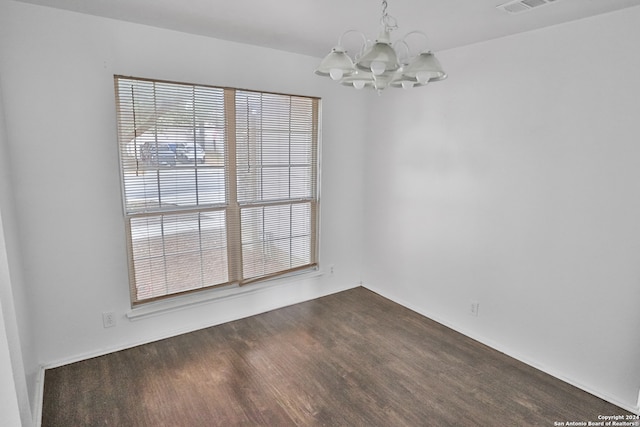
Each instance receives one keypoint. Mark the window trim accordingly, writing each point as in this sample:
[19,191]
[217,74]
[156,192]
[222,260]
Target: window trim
[219,293]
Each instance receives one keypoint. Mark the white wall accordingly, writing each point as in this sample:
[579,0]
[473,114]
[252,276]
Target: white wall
[57,72]
[516,183]
[18,365]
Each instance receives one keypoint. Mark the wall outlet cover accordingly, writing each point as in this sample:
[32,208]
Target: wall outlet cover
[475,307]
[108,319]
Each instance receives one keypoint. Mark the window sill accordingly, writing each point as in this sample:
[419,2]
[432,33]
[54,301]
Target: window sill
[215,295]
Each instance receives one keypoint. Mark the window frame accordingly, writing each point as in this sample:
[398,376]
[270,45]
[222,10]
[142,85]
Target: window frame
[231,207]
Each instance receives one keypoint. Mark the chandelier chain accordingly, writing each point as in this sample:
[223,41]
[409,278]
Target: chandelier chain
[388,21]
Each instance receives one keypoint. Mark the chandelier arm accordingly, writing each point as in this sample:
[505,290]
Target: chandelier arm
[404,40]
[402,60]
[361,34]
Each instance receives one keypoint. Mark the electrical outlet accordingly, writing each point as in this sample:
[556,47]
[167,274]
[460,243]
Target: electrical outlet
[108,319]
[475,306]
[332,268]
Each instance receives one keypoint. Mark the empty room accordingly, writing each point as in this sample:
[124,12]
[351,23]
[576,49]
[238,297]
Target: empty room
[363,213]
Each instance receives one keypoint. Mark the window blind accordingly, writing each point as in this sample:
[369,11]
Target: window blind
[219,185]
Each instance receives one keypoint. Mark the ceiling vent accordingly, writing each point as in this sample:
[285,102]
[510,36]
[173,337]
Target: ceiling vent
[519,6]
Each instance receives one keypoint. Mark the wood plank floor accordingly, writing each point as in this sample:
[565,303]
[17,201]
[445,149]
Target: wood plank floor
[349,359]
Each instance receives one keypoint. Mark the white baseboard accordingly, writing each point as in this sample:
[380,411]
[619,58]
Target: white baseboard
[526,360]
[39,398]
[180,331]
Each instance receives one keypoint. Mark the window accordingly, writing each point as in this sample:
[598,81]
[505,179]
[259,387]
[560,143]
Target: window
[219,185]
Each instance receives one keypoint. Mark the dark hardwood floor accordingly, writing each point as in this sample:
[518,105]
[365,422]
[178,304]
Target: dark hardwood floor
[349,359]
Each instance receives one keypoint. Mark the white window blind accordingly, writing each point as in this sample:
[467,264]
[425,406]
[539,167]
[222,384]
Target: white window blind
[219,185]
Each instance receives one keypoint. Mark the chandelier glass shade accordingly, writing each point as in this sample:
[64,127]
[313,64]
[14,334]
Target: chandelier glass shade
[381,64]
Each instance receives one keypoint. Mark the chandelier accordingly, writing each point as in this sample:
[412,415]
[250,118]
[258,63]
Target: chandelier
[381,64]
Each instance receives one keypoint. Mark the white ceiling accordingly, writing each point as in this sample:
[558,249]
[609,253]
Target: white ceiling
[312,27]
